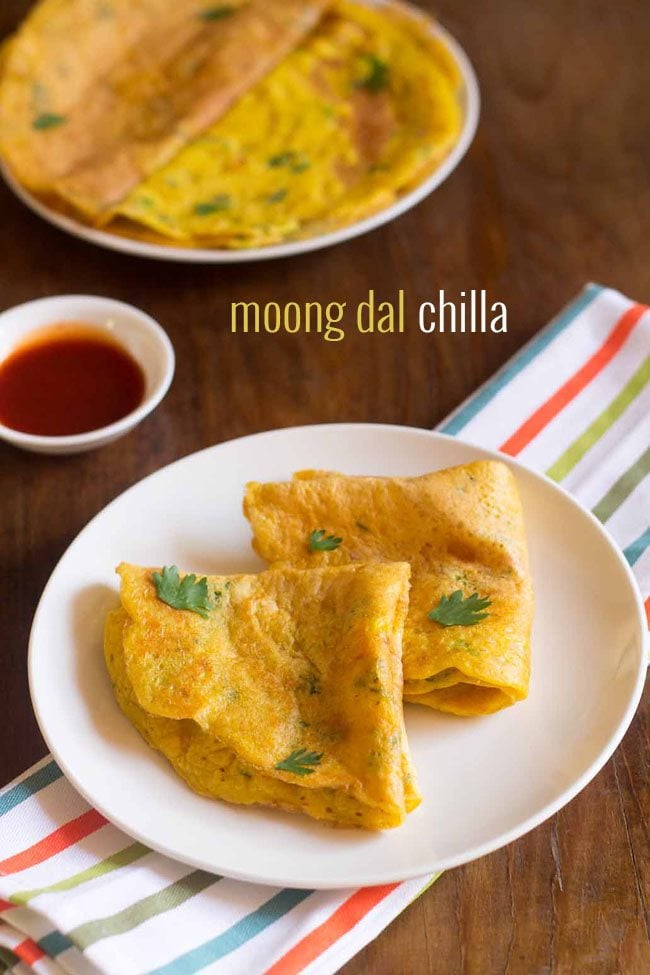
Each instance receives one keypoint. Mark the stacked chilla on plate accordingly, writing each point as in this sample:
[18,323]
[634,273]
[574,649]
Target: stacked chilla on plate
[233,125]
[286,687]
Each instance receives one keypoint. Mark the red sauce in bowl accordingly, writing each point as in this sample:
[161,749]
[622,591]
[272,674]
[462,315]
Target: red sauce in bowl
[68,379]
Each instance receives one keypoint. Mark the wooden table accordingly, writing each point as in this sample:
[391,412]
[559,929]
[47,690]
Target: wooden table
[551,195]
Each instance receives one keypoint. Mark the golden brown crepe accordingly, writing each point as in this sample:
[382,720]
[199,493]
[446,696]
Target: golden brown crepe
[288,694]
[461,529]
[365,108]
[97,94]
[154,120]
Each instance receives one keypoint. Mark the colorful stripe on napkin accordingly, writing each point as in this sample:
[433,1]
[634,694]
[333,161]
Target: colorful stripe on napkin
[575,404]
[77,896]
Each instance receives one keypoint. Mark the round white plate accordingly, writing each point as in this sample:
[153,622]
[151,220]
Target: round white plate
[485,781]
[197,255]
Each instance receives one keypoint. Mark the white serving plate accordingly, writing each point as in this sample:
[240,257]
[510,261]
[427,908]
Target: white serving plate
[197,255]
[485,781]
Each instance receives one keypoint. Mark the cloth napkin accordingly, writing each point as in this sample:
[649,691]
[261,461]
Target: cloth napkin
[80,897]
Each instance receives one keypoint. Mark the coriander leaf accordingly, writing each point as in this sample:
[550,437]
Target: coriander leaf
[186,593]
[48,120]
[277,197]
[298,762]
[217,13]
[282,159]
[320,542]
[216,205]
[377,74]
[296,162]
[455,610]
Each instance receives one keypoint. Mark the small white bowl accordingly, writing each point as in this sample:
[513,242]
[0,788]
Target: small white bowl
[135,331]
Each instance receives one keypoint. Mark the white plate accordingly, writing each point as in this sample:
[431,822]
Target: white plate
[197,255]
[485,781]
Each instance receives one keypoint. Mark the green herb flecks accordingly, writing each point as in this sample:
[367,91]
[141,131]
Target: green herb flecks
[319,541]
[377,74]
[310,683]
[465,646]
[300,762]
[48,120]
[374,681]
[277,197]
[282,159]
[188,593]
[216,205]
[291,160]
[219,12]
[455,610]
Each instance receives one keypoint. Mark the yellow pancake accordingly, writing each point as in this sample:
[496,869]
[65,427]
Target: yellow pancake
[461,529]
[365,108]
[287,663]
[96,94]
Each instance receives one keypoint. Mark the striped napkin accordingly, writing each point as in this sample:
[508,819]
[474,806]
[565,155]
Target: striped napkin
[80,897]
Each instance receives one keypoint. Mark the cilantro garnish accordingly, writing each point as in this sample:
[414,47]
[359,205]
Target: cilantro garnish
[296,162]
[48,120]
[277,197]
[455,610]
[320,542]
[299,762]
[282,159]
[216,205]
[186,593]
[377,74]
[217,13]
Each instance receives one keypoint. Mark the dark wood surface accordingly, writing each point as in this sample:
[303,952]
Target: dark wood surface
[550,195]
